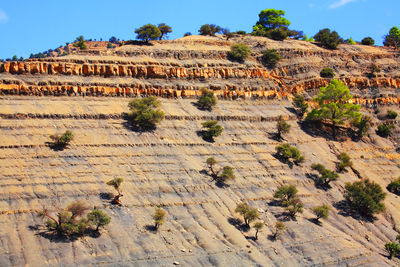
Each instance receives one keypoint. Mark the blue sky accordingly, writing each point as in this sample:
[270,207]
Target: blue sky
[29,26]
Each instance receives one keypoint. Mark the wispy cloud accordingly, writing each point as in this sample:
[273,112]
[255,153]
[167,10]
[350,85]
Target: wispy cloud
[341,3]
[3,16]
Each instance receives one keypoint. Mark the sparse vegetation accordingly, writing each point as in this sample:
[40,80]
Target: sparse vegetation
[249,214]
[145,112]
[80,42]
[327,73]
[148,32]
[116,183]
[226,175]
[285,194]
[368,41]
[328,39]
[282,127]
[270,58]
[300,104]
[62,141]
[258,226]
[211,130]
[385,129]
[280,227]
[391,114]
[326,176]
[345,162]
[159,217]
[289,153]
[394,187]
[206,100]
[365,197]
[321,211]
[239,52]
[209,29]
[295,206]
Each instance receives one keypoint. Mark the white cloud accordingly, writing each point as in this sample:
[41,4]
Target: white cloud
[341,3]
[3,16]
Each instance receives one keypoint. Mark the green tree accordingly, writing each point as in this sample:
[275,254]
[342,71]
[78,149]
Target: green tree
[270,58]
[226,175]
[385,130]
[206,100]
[327,73]
[328,39]
[321,211]
[285,194]
[62,141]
[14,58]
[300,104]
[393,38]
[280,227]
[295,206]
[326,176]
[393,249]
[98,218]
[272,19]
[368,41]
[148,32]
[80,42]
[333,105]
[164,29]
[249,214]
[345,162]
[145,112]
[211,129]
[159,217]
[282,127]
[209,29]
[116,183]
[365,197]
[210,164]
[239,52]
[394,187]
[289,153]
[362,124]
[350,41]
[258,226]
[227,33]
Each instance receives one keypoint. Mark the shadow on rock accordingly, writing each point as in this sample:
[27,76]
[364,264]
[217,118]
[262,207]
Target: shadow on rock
[238,224]
[284,161]
[347,211]
[315,221]
[318,129]
[54,146]
[202,134]
[150,228]
[317,184]
[106,196]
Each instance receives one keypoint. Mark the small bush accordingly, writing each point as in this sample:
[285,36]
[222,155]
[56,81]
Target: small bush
[350,41]
[249,214]
[226,175]
[285,194]
[212,129]
[365,197]
[300,104]
[385,130]
[289,153]
[258,226]
[206,100]
[241,32]
[393,249]
[210,164]
[394,187]
[327,73]
[282,127]
[345,162]
[109,45]
[295,206]
[116,183]
[270,58]
[362,125]
[145,112]
[159,217]
[326,176]
[280,227]
[80,42]
[187,34]
[321,211]
[63,140]
[98,218]
[391,114]
[239,52]
[368,41]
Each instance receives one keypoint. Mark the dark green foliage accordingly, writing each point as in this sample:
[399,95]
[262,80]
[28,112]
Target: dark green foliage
[333,106]
[394,187]
[285,194]
[362,125]
[321,211]
[393,249]
[295,206]
[249,214]
[239,52]
[14,58]
[300,104]
[393,38]
[98,218]
[289,153]
[206,100]
[385,130]
[241,32]
[211,129]
[227,33]
[273,25]
[345,162]
[282,127]
[80,42]
[368,41]
[326,176]
[148,32]
[391,114]
[270,58]
[209,29]
[164,29]
[328,39]
[159,217]
[365,197]
[327,73]
[187,34]
[63,140]
[145,112]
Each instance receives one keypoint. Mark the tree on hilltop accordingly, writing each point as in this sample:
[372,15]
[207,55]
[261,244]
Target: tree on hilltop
[148,32]
[393,38]
[164,29]
[209,29]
